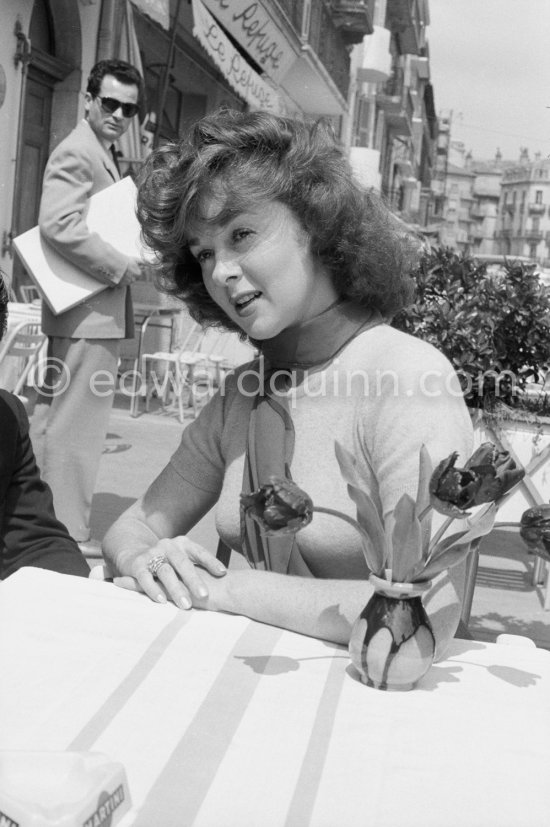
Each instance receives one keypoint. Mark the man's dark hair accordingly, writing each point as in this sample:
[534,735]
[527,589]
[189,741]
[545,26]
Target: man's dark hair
[122,71]
[3,306]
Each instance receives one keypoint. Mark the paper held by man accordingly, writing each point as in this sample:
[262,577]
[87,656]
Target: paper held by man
[111,214]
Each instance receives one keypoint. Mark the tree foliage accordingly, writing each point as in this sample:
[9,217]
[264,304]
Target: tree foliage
[495,329]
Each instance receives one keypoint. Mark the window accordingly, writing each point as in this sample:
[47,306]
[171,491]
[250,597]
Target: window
[538,197]
[536,224]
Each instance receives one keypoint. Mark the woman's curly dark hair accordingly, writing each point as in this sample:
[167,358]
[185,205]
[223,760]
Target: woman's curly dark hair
[251,157]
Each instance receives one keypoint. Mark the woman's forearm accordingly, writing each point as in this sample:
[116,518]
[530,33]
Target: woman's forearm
[324,609]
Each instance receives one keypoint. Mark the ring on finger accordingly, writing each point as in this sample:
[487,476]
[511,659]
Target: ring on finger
[155,563]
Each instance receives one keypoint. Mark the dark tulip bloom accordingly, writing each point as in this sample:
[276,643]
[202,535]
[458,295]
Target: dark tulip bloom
[488,475]
[497,470]
[535,530]
[280,507]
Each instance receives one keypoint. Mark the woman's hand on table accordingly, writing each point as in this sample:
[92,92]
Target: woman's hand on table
[174,569]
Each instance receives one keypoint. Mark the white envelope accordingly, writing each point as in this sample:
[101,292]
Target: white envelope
[112,215]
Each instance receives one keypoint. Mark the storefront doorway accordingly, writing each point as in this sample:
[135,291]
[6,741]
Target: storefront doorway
[43,72]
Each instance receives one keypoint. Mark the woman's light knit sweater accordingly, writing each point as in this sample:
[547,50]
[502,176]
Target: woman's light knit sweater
[386,392]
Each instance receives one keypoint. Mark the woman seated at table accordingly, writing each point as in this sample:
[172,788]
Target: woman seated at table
[30,534]
[261,228]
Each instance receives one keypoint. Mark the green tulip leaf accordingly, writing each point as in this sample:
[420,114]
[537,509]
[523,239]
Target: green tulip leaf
[425,471]
[451,557]
[369,520]
[348,465]
[367,513]
[481,523]
[406,539]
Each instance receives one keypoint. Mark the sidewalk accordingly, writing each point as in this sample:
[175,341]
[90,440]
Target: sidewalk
[505,599]
[136,450]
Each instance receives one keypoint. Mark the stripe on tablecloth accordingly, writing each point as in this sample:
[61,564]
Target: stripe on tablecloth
[305,793]
[89,734]
[192,764]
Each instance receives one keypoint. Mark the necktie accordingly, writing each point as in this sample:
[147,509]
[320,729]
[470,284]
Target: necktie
[115,159]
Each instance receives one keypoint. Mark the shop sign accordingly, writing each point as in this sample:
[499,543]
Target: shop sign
[238,72]
[253,28]
[158,10]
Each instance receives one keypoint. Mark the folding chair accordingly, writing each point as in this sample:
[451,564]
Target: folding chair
[196,369]
[24,343]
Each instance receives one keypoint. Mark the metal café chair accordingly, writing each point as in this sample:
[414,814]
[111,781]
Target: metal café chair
[193,371]
[24,343]
[29,293]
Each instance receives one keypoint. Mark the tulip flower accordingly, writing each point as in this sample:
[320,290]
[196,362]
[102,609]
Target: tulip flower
[280,507]
[535,530]
[487,476]
[401,547]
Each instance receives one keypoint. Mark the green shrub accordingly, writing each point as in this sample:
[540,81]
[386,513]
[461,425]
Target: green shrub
[495,329]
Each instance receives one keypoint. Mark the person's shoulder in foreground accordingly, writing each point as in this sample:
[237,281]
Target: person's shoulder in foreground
[30,533]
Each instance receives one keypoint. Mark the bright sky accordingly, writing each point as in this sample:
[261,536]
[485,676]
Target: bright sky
[490,65]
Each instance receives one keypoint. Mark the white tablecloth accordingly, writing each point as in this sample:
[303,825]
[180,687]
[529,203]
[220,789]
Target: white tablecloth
[223,722]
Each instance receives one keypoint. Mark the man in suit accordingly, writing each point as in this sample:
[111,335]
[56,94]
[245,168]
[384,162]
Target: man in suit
[83,348]
[30,533]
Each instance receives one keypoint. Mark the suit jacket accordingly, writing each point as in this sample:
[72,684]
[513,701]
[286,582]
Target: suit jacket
[30,533]
[78,168]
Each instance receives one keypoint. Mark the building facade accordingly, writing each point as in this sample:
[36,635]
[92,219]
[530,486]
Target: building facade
[485,206]
[287,56]
[392,128]
[523,226]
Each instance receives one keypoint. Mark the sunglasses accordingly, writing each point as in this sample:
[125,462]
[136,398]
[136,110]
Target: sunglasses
[111,105]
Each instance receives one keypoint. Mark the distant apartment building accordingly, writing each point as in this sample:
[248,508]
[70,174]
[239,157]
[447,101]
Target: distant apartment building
[453,188]
[523,226]
[490,207]
[392,126]
[485,205]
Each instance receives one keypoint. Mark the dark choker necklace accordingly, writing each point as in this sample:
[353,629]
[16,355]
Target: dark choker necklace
[320,339]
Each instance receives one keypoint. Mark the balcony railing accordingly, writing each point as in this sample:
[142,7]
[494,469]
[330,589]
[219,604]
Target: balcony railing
[396,101]
[401,20]
[531,235]
[478,211]
[353,19]
[536,209]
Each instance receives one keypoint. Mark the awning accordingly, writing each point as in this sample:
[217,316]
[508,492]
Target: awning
[257,32]
[158,10]
[131,144]
[247,83]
